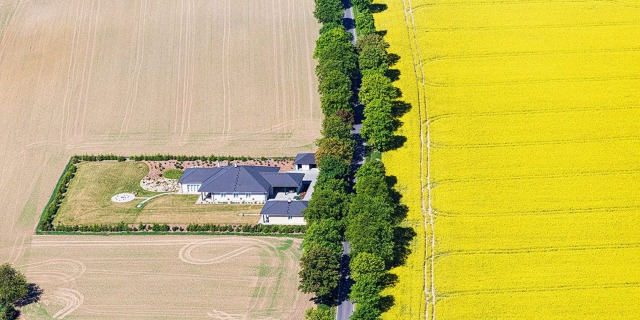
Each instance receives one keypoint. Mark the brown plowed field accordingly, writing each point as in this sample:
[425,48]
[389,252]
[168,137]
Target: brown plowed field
[130,77]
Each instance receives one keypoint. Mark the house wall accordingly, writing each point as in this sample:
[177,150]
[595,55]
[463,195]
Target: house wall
[242,197]
[189,188]
[284,220]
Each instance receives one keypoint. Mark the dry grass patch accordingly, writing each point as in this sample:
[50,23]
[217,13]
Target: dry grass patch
[182,209]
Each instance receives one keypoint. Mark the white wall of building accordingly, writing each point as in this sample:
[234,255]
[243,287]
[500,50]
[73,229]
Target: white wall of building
[239,198]
[284,220]
[189,188]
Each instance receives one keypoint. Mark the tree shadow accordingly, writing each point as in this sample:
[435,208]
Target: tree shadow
[386,302]
[393,74]
[393,58]
[402,237]
[399,108]
[378,7]
[401,210]
[33,295]
[348,23]
[396,142]
[389,280]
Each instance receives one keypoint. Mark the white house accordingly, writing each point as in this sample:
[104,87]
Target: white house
[241,184]
[305,161]
[283,212]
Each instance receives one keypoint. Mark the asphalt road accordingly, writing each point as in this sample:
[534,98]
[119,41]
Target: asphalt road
[345,307]
[349,22]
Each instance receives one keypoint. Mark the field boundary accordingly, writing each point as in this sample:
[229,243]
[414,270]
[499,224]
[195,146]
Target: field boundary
[171,233]
[45,224]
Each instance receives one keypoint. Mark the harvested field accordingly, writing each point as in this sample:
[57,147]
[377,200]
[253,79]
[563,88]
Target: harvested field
[119,277]
[524,119]
[131,77]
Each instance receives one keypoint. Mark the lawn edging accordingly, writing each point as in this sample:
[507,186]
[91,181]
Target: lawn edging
[45,224]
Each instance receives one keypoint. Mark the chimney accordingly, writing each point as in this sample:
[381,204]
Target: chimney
[289,200]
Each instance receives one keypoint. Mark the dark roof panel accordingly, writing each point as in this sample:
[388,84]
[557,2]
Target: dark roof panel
[283,180]
[305,158]
[197,175]
[284,208]
[238,179]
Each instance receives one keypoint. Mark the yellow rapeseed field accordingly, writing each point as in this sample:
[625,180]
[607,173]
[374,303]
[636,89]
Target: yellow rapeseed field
[522,163]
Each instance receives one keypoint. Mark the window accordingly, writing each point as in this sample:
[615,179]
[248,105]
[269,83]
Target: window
[235,194]
[248,195]
[290,218]
[223,194]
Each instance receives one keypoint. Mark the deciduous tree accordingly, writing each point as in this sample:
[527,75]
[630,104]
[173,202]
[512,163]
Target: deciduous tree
[372,181]
[341,148]
[335,92]
[361,4]
[376,86]
[335,44]
[364,22]
[369,227]
[13,285]
[319,313]
[320,272]
[335,127]
[333,167]
[327,204]
[329,11]
[9,313]
[324,233]
[367,264]
[372,52]
[377,127]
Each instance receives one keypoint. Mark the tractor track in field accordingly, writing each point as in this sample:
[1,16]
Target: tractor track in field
[425,150]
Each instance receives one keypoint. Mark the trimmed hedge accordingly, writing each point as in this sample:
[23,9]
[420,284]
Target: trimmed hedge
[51,209]
[191,228]
[166,157]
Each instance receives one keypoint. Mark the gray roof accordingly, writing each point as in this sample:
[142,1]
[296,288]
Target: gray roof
[283,180]
[238,179]
[284,208]
[197,175]
[305,158]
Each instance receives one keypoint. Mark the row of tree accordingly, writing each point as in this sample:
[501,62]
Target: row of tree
[368,218]
[377,94]
[374,212]
[327,209]
[370,230]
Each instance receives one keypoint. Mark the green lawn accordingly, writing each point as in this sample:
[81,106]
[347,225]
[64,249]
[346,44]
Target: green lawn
[173,174]
[88,200]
